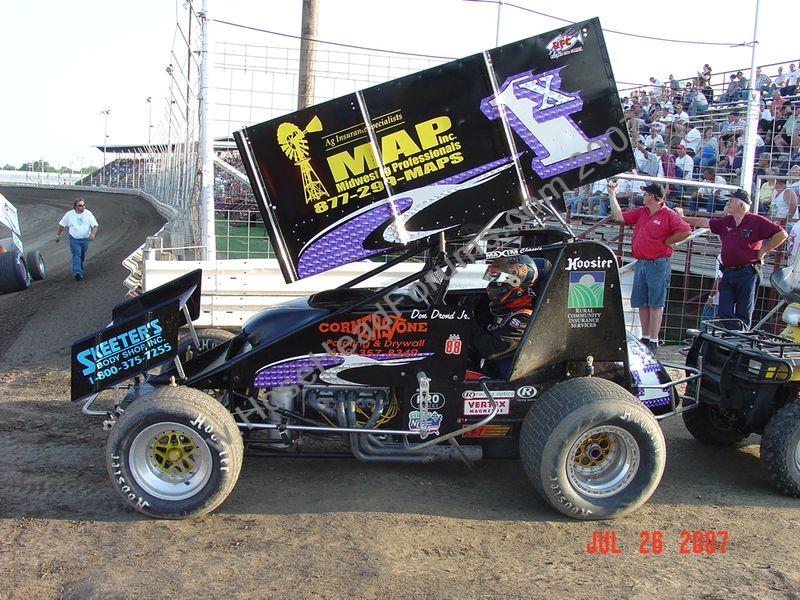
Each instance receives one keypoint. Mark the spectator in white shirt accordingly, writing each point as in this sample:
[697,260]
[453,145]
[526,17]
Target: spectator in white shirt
[629,193]
[648,162]
[791,81]
[784,201]
[794,181]
[680,114]
[766,114]
[693,139]
[684,162]
[657,85]
[699,103]
[653,138]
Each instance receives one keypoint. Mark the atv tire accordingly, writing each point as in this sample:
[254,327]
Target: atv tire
[707,428]
[14,276]
[175,453]
[591,449]
[780,449]
[35,264]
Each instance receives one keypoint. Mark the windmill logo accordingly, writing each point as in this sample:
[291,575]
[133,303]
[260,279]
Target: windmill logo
[294,145]
[586,289]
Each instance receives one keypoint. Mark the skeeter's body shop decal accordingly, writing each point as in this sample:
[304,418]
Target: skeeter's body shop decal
[121,351]
[378,170]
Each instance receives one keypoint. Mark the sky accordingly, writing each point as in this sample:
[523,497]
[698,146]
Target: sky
[66,62]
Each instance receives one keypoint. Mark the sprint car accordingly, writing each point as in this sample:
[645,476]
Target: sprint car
[454,166]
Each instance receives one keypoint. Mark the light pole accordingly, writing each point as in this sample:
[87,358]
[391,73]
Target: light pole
[149,101]
[105,114]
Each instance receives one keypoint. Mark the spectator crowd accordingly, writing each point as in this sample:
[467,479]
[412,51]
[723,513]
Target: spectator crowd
[694,131]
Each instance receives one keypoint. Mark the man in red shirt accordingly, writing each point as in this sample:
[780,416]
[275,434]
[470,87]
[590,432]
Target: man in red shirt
[656,228]
[743,247]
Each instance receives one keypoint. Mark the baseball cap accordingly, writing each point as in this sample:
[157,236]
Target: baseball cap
[681,147]
[655,189]
[741,195]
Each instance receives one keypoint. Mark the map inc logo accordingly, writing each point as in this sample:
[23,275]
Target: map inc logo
[586,289]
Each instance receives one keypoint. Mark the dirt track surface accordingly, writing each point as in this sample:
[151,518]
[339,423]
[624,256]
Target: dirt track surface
[337,528]
[39,324]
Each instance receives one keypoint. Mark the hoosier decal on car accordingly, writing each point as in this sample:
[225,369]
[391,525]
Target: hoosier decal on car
[476,403]
[586,291]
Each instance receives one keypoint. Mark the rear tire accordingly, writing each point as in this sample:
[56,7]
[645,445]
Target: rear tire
[707,427]
[591,449]
[35,263]
[208,338]
[175,453]
[14,276]
[780,449]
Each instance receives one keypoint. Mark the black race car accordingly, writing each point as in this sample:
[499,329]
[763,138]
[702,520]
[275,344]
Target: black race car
[449,167]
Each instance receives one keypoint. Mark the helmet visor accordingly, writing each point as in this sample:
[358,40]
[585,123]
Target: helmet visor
[498,276]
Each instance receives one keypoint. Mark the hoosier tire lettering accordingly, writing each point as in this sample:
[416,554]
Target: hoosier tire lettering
[591,450]
[175,453]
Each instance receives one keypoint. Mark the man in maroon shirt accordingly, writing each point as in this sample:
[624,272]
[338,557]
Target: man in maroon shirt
[656,228]
[743,247]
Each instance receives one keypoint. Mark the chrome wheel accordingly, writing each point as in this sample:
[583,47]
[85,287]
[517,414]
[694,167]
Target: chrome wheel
[170,461]
[603,461]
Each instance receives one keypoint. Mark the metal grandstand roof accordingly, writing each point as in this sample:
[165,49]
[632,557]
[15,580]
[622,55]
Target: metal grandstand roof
[221,143]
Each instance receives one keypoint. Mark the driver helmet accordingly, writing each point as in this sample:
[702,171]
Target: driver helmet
[510,283]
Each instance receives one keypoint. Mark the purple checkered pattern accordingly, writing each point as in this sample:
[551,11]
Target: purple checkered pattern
[289,373]
[345,243]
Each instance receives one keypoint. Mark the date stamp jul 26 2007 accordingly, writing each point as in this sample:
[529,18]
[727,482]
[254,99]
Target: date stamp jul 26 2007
[696,541]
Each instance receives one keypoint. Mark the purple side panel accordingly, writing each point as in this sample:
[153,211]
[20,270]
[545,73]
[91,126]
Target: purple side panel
[649,365]
[345,243]
[289,373]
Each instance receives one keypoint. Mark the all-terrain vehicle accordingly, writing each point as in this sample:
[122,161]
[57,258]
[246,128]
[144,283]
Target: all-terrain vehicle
[440,167]
[750,384]
[17,269]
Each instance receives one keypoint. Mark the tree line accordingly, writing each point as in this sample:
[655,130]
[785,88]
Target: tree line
[37,166]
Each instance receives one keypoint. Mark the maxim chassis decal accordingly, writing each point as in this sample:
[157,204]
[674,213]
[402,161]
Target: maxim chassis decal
[375,171]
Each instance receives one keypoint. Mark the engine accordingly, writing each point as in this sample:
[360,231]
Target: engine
[316,405]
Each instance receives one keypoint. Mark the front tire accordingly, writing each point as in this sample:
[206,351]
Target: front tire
[592,450]
[175,453]
[780,449]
